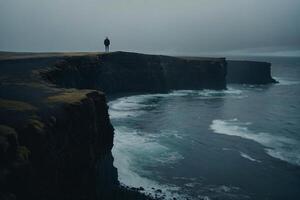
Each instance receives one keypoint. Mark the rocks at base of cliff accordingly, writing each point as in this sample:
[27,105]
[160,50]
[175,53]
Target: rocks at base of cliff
[127,193]
[249,72]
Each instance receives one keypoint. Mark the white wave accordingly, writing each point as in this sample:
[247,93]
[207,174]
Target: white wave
[286,81]
[224,188]
[222,192]
[229,93]
[182,92]
[191,185]
[169,158]
[124,114]
[169,133]
[128,106]
[207,92]
[279,147]
[201,197]
[131,151]
[134,106]
[244,155]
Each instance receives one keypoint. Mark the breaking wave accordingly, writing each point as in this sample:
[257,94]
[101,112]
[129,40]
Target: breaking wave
[135,149]
[244,155]
[276,146]
[131,151]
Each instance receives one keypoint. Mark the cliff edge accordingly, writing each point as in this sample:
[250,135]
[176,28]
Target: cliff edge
[123,72]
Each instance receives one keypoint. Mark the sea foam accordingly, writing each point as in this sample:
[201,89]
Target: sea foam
[244,155]
[128,151]
[276,146]
[134,149]
[286,81]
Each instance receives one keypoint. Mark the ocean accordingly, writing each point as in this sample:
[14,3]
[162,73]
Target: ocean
[240,143]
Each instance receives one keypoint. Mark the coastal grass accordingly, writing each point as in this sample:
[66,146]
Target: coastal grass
[16,105]
[73,96]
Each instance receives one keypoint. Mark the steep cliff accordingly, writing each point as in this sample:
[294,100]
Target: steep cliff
[123,72]
[62,152]
[249,72]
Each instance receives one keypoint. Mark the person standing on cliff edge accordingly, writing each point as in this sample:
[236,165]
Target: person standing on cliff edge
[106,43]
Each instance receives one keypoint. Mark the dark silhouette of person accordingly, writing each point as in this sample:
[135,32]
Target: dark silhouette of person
[106,43]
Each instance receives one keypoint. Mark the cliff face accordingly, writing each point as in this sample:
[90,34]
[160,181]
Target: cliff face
[122,72]
[80,148]
[65,153]
[249,72]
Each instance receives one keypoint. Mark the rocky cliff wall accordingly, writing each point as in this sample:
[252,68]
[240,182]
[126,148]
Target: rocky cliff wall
[249,72]
[64,152]
[123,72]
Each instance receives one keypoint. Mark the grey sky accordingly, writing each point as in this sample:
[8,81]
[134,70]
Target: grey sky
[152,26]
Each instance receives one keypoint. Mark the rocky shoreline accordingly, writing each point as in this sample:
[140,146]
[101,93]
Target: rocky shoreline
[55,132]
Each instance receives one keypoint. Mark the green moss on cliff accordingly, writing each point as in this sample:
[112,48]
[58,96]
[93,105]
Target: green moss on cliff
[6,130]
[72,96]
[38,125]
[8,144]
[23,153]
[16,105]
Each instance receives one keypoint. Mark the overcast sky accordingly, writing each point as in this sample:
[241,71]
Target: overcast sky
[151,26]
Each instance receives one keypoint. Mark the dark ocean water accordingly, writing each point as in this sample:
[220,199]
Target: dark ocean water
[240,143]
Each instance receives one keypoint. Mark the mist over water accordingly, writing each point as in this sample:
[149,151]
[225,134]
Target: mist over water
[240,143]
